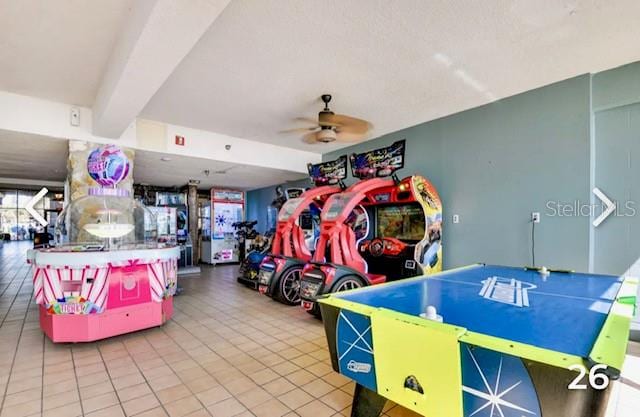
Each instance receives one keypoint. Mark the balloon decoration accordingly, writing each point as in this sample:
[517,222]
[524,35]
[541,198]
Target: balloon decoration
[108,165]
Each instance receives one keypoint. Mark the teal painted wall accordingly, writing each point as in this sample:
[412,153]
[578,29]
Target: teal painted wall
[617,174]
[616,171]
[258,200]
[507,159]
[257,203]
[495,164]
[616,87]
[616,146]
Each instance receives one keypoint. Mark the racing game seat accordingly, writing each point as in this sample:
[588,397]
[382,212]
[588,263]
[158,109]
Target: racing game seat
[299,242]
[352,257]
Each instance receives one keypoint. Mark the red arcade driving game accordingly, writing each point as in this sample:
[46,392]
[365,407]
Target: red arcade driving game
[403,234]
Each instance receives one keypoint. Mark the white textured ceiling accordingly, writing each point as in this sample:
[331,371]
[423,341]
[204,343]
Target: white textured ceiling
[150,169]
[58,49]
[397,64]
[32,157]
[263,63]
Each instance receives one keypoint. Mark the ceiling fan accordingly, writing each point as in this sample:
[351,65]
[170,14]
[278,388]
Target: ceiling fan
[331,127]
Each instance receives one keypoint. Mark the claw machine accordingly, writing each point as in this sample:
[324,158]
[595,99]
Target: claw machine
[166,222]
[226,208]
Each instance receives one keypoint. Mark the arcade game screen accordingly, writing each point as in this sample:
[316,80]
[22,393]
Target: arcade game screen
[405,222]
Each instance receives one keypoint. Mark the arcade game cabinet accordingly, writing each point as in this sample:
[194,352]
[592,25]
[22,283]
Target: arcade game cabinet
[296,232]
[250,265]
[257,246]
[177,203]
[403,238]
[227,208]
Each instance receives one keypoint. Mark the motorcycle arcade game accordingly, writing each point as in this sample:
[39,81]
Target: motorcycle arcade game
[246,236]
[403,238]
[280,271]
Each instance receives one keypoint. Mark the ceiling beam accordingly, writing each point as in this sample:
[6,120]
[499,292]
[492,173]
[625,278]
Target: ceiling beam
[51,120]
[29,183]
[157,36]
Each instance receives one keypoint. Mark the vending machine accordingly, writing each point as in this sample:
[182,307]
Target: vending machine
[227,208]
[177,201]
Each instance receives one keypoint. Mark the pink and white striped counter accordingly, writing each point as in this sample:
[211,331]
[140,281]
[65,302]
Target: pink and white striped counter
[86,296]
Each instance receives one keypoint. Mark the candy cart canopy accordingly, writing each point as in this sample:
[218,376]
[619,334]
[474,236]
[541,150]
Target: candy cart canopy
[57,258]
[82,279]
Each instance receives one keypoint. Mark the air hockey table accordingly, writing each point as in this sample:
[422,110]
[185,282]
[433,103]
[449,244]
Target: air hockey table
[511,342]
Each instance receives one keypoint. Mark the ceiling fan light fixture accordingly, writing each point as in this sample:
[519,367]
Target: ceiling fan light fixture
[331,127]
[326,135]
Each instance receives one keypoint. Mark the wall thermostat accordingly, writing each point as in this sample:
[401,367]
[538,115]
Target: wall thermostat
[75,117]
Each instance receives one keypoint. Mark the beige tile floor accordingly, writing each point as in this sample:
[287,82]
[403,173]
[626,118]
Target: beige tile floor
[228,351]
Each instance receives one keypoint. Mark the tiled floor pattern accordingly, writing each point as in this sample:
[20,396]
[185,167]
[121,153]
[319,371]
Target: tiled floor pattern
[228,351]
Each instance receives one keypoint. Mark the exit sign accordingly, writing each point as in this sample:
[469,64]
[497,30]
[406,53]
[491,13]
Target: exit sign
[179,140]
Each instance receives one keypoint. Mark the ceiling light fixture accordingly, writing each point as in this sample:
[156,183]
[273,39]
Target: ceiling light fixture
[326,135]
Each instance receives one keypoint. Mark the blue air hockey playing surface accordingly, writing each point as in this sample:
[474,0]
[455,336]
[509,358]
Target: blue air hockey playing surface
[502,343]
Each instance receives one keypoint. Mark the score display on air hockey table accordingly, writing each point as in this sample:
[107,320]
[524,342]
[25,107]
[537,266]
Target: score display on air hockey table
[507,341]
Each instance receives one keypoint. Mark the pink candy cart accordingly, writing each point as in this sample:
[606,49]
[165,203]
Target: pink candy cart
[85,296]
[107,274]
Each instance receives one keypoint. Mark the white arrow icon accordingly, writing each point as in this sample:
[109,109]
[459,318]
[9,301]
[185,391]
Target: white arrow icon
[32,212]
[611,207]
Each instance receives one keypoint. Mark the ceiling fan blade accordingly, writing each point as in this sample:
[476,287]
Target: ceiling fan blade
[349,124]
[319,122]
[300,129]
[349,137]
[310,138]
[306,120]
[329,124]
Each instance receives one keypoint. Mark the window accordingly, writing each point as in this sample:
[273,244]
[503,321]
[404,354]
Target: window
[8,222]
[8,198]
[14,219]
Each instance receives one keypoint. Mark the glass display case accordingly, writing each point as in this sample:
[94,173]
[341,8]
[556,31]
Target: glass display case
[107,218]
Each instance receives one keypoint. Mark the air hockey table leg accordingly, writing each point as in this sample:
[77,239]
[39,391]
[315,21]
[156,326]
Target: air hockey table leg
[366,403]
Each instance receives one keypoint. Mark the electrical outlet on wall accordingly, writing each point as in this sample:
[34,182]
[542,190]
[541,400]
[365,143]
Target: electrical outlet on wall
[535,217]
[456,218]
